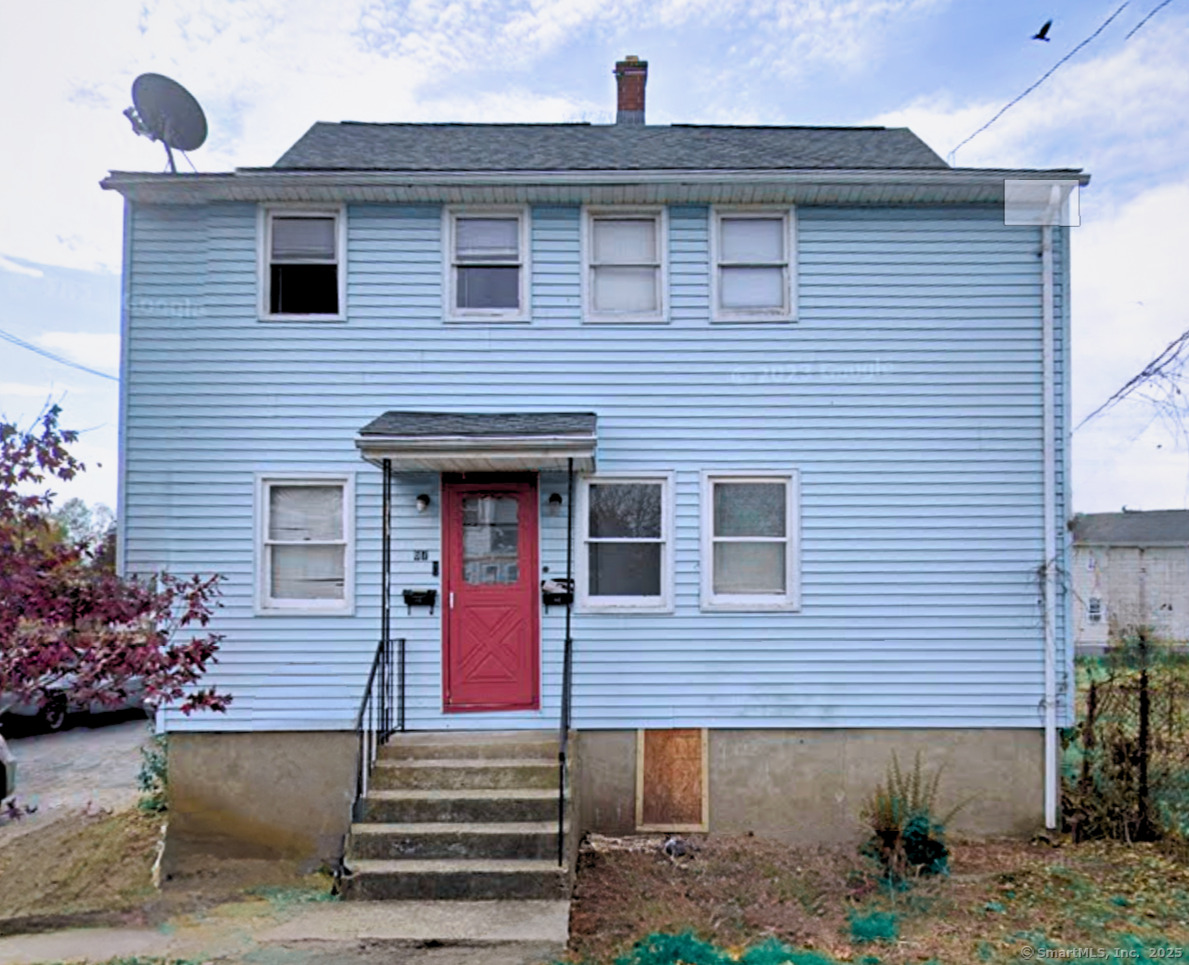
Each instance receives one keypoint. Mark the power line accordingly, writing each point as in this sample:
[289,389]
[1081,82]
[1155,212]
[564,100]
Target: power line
[1155,10]
[46,353]
[1049,73]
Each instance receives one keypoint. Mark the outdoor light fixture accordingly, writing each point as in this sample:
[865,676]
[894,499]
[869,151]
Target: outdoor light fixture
[422,503]
[554,504]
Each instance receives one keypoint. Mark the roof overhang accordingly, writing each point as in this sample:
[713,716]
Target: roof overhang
[809,186]
[413,442]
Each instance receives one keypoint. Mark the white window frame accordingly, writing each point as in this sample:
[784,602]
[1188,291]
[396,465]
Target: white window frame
[1095,614]
[790,600]
[661,216]
[632,604]
[265,215]
[451,311]
[788,312]
[265,605]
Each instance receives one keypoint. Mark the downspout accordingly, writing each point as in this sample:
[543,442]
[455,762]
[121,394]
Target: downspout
[1050,535]
[122,442]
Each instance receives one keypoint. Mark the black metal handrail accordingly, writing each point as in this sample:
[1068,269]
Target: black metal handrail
[567,673]
[373,723]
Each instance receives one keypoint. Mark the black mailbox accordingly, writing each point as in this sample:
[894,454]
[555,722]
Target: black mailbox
[420,598]
[557,592]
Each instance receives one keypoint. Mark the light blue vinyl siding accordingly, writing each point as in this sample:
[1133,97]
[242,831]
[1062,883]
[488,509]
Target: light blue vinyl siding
[908,395]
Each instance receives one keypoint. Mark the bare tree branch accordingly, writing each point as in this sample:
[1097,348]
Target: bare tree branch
[1160,382]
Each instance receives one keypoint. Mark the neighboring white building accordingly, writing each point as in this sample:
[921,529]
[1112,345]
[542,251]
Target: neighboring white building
[1130,569]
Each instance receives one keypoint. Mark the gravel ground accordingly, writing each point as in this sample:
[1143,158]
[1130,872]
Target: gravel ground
[87,769]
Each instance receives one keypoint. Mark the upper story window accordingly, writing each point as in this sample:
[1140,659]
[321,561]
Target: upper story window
[305,544]
[302,264]
[487,269]
[749,541]
[753,270]
[625,265]
[625,561]
[1094,609]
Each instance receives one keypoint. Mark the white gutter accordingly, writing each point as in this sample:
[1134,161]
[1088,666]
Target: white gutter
[1050,536]
[941,185]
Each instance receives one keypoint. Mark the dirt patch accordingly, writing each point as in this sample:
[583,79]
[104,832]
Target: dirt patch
[87,870]
[1000,896]
[78,866]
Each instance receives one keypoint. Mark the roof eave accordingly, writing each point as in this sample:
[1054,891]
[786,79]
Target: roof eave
[808,185]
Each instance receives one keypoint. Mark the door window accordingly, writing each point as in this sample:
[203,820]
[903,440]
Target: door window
[490,540]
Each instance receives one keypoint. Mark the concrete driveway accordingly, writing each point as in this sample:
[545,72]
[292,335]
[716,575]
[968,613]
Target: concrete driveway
[85,768]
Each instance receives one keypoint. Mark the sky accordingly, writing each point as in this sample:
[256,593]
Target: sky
[264,70]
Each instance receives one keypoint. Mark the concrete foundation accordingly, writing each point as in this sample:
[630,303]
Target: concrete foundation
[283,796]
[287,796]
[807,786]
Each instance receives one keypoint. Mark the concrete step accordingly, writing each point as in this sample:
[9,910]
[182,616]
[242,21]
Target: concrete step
[506,840]
[483,805]
[455,774]
[438,745]
[466,880]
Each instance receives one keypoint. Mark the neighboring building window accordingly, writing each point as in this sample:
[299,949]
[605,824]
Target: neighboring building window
[302,267]
[625,265]
[749,542]
[487,271]
[625,560]
[305,544]
[753,272]
[1094,610]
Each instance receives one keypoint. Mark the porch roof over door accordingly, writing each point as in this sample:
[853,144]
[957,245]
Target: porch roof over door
[480,441]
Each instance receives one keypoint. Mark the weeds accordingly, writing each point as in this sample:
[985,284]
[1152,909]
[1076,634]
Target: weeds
[687,949]
[908,839]
[1126,763]
[153,777]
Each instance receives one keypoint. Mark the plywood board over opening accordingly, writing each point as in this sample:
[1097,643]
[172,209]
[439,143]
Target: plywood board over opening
[672,792]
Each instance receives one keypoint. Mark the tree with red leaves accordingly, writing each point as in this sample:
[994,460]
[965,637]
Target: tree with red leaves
[69,626]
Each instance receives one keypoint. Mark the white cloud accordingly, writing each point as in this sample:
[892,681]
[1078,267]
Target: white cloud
[30,390]
[98,350]
[1129,302]
[7,264]
[1123,112]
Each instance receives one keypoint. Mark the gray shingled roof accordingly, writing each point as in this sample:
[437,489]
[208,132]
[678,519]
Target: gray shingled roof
[1135,528]
[481,424]
[355,146]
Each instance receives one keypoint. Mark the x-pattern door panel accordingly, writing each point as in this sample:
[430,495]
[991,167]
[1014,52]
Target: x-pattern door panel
[491,650]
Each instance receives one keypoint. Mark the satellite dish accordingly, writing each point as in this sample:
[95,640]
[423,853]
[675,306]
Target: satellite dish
[165,111]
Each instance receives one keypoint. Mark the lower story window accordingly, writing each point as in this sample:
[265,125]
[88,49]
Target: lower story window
[625,560]
[749,541]
[305,547]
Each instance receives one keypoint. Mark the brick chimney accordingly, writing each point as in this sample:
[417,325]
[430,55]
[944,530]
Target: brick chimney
[631,74]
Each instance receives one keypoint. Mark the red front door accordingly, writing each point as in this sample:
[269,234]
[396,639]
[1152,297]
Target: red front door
[491,646]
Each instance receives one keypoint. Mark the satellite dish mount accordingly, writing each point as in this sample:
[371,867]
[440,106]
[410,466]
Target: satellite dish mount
[165,111]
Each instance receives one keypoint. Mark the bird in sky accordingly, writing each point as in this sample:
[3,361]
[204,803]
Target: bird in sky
[1043,32]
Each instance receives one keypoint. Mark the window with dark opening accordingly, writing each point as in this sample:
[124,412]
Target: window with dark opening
[303,264]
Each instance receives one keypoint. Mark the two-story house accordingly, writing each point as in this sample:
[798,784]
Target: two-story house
[787,404]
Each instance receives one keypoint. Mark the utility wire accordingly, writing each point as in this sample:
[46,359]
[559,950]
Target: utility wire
[1169,355]
[9,337]
[1155,10]
[1049,73]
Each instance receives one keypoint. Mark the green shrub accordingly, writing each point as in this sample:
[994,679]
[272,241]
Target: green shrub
[153,777]
[874,926]
[908,839]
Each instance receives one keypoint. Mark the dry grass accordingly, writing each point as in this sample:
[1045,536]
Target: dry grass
[75,866]
[92,870]
[1001,895]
